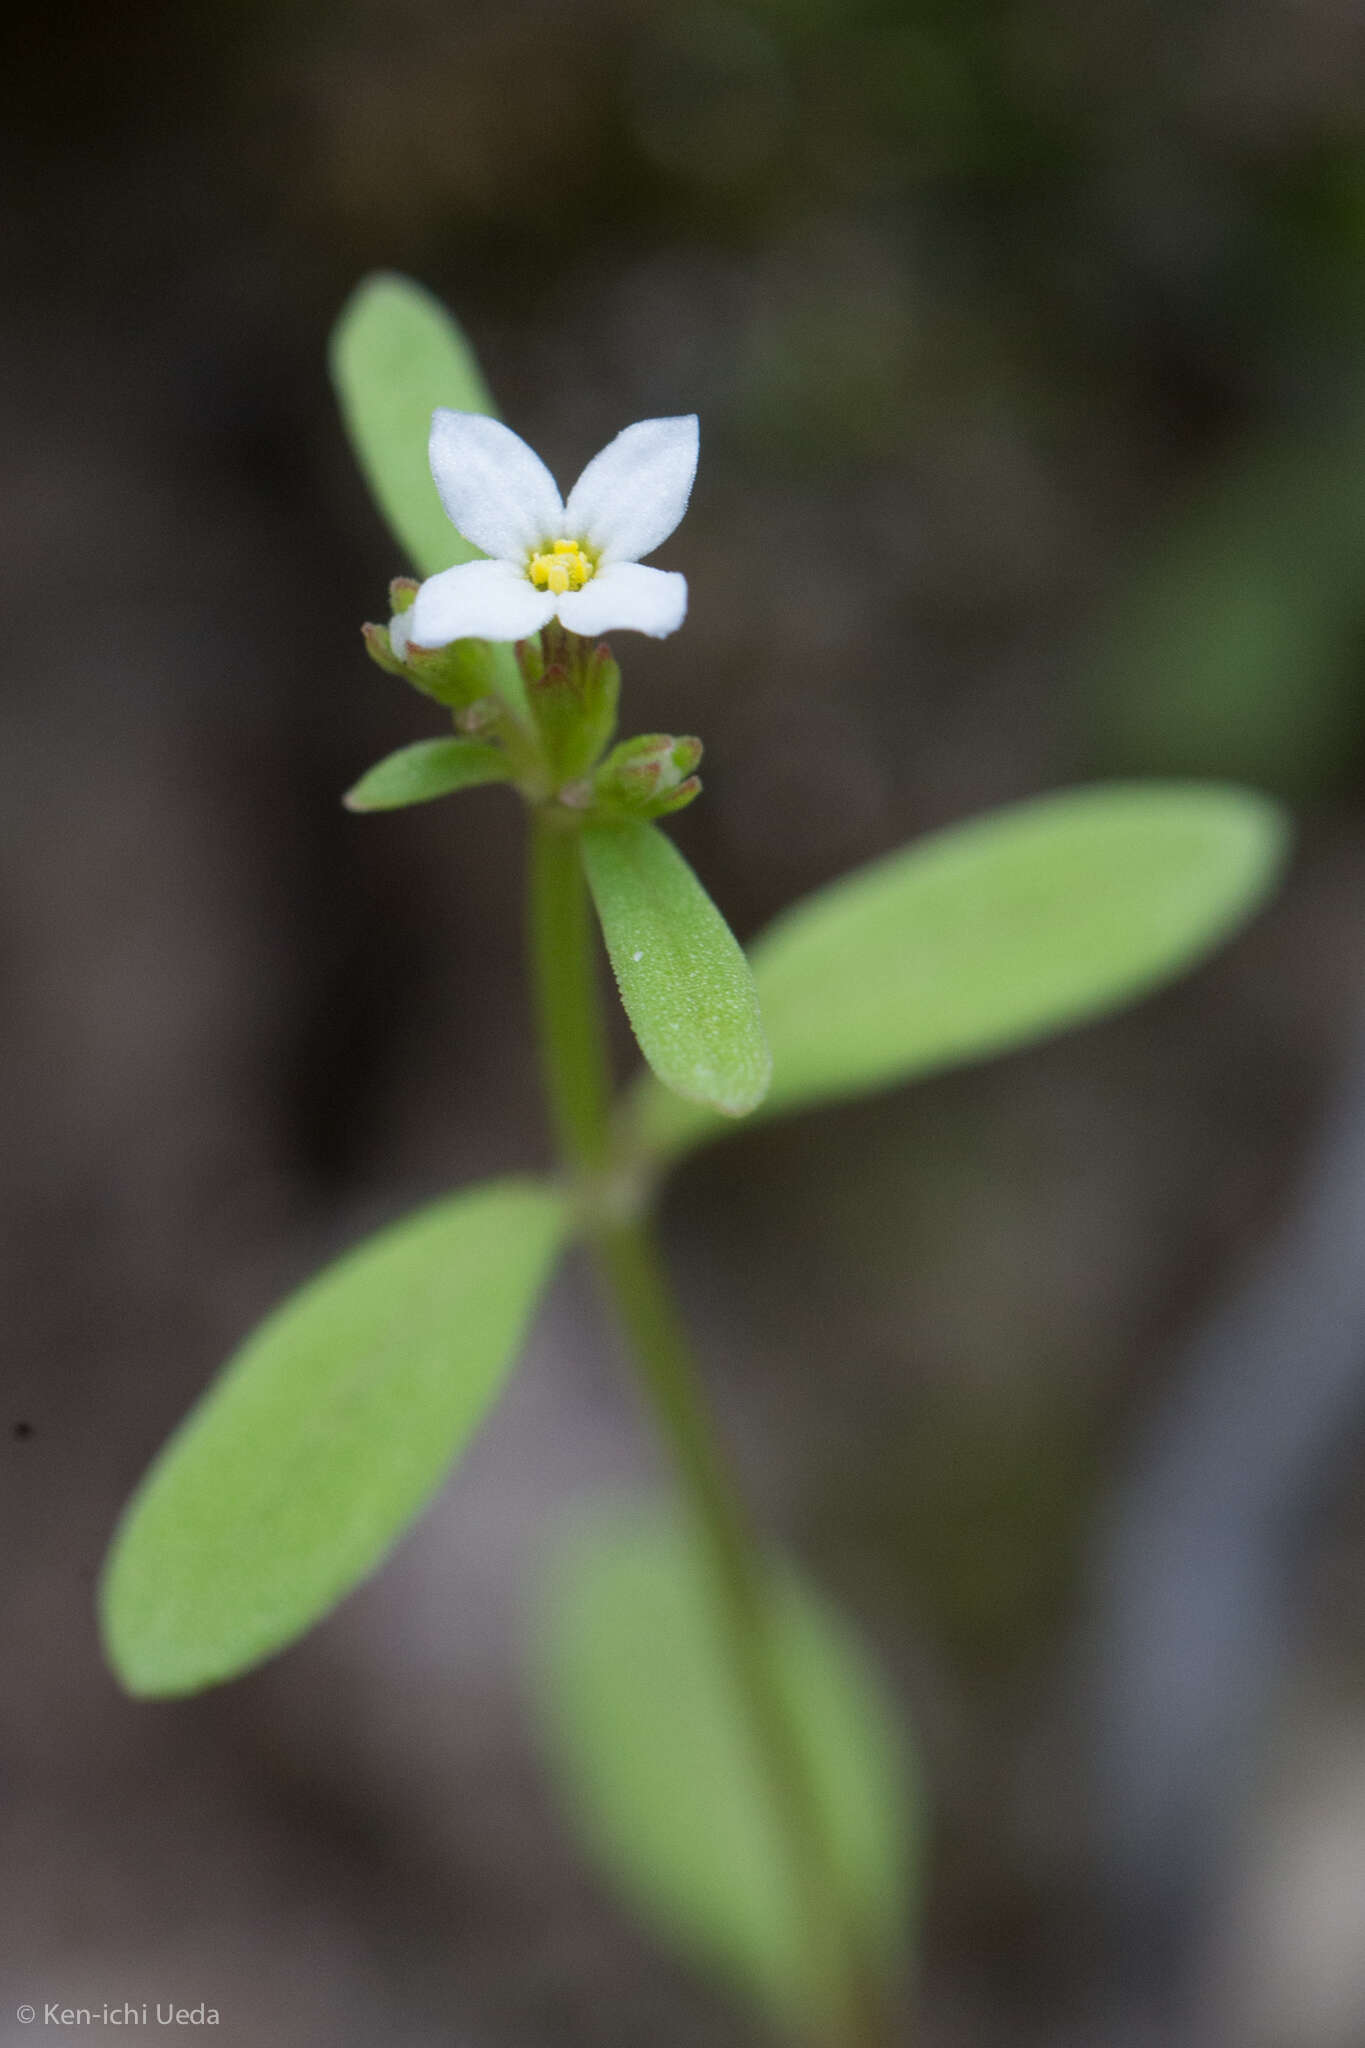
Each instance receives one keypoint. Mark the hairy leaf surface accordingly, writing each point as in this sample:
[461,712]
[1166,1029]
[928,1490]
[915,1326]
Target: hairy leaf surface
[683,977]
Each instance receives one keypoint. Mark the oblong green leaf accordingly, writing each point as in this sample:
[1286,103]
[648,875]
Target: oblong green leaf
[683,978]
[994,933]
[648,1735]
[431,768]
[396,354]
[330,1429]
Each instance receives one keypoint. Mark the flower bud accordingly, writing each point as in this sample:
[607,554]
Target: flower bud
[379,647]
[457,675]
[648,776]
[674,799]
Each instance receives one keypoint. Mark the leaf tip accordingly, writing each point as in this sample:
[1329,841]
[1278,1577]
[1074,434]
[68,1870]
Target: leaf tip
[730,1091]
[740,1100]
[372,291]
[124,1653]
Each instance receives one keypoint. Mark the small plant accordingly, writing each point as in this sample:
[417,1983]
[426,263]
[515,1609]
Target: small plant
[725,1743]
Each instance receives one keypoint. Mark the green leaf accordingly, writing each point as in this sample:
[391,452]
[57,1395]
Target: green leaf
[327,1433]
[995,933]
[648,1735]
[432,768]
[396,355]
[683,979]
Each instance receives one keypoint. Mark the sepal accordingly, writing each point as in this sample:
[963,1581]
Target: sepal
[557,702]
[574,695]
[602,697]
[380,649]
[456,676]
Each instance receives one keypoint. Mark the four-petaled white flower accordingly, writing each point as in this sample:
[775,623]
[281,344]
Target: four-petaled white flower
[578,562]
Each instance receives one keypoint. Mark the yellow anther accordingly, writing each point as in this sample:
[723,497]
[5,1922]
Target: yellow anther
[564,567]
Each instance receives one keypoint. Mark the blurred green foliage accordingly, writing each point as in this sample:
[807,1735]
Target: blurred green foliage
[638,1703]
[1237,641]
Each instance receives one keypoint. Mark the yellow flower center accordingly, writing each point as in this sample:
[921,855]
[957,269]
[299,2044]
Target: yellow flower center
[562,567]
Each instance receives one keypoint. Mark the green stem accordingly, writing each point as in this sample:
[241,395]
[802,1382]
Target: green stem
[629,1259]
[568,1008]
[576,1079]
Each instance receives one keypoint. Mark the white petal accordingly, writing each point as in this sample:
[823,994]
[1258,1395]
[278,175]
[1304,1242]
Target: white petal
[496,491]
[398,634]
[632,495]
[625,595]
[477,601]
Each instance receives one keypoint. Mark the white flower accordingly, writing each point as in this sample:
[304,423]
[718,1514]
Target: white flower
[578,562]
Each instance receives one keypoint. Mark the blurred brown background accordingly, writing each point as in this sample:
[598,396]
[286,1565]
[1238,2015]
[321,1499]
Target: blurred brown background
[1029,344]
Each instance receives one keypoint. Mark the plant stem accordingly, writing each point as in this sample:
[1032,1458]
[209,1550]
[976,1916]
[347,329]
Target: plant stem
[568,1008]
[573,1054]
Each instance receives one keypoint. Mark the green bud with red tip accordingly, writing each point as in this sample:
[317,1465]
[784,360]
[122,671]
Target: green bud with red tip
[648,776]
